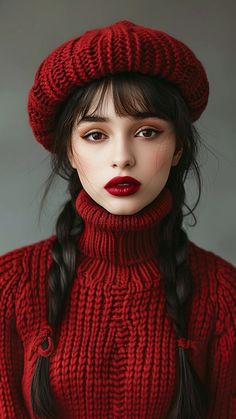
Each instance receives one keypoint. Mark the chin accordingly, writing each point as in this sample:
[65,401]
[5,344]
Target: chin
[125,210]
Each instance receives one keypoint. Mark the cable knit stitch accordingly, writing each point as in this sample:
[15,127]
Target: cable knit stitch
[116,352]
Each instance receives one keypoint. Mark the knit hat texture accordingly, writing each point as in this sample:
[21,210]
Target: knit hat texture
[120,47]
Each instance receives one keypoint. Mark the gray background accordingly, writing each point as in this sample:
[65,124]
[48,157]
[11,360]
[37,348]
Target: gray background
[29,30]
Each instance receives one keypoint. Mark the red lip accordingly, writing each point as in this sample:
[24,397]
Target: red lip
[124,179]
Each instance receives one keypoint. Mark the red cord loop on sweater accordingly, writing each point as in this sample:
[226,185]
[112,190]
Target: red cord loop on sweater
[44,344]
[187,343]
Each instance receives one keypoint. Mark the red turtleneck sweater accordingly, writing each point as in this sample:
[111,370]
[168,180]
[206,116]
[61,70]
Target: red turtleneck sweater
[116,352]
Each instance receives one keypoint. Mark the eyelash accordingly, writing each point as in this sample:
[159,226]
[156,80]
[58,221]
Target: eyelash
[157,132]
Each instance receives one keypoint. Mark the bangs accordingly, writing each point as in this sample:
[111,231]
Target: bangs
[133,93]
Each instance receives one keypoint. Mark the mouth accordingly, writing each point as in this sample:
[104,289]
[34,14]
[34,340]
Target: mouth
[124,181]
[123,190]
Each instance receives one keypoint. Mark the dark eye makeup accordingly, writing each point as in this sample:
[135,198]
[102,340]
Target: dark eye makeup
[96,135]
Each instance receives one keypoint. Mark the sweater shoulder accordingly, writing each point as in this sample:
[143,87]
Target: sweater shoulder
[16,256]
[219,276]
[28,247]
[19,264]
[212,263]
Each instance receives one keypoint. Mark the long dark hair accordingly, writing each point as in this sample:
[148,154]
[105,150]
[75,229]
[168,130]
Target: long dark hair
[132,92]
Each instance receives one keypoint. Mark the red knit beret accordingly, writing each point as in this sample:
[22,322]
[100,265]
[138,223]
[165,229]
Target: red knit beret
[120,47]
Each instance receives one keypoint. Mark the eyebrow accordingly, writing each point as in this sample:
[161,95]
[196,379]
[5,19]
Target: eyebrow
[98,118]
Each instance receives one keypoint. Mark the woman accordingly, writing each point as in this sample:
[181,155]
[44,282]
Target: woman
[119,314]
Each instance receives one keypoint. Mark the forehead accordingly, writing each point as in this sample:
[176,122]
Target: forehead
[123,100]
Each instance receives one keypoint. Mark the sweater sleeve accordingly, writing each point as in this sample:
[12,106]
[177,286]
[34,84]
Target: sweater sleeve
[221,377]
[11,349]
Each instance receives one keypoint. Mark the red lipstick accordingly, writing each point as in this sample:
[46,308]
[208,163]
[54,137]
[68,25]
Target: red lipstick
[122,186]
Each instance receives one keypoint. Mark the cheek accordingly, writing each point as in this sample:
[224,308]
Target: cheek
[87,166]
[160,159]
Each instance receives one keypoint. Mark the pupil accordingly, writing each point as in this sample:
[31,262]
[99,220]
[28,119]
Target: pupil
[147,131]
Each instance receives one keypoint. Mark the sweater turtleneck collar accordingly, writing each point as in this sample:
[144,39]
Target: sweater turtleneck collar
[121,239]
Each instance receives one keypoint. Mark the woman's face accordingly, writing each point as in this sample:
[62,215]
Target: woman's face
[143,148]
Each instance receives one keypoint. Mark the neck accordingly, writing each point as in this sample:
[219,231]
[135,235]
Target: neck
[121,239]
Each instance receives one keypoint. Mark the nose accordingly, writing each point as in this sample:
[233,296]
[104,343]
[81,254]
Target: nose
[122,154]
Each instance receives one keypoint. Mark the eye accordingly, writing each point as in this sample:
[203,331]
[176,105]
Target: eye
[148,132]
[96,136]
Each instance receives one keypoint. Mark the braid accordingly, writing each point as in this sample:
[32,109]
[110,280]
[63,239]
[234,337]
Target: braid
[191,397]
[64,254]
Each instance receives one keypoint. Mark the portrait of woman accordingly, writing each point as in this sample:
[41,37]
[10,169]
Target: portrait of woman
[119,314]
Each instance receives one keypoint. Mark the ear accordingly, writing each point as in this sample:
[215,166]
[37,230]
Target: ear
[71,159]
[176,157]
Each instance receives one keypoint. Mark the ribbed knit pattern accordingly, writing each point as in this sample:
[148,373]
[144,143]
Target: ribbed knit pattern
[116,353]
[120,47]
